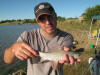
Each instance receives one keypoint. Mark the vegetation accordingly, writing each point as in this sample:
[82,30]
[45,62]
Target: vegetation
[19,21]
[60,19]
[26,21]
[91,11]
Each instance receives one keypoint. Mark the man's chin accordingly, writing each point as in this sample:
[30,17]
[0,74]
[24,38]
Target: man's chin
[51,31]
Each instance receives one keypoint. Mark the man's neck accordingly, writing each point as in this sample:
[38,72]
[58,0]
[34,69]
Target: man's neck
[49,35]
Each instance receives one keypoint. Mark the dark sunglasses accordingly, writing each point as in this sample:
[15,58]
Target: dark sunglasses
[43,18]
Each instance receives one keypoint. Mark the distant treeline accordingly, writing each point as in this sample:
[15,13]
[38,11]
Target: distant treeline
[19,21]
[27,21]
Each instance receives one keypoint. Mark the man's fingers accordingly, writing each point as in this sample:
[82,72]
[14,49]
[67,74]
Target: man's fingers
[66,49]
[66,60]
[21,54]
[61,61]
[71,59]
[28,53]
[78,60]
[66,57]
[21,58]
[30,49]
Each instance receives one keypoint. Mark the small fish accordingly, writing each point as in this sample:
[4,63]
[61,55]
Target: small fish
[55,55]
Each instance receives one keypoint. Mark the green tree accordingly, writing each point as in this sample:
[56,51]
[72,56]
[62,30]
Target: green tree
[60,19]
[31,21]
[90,12]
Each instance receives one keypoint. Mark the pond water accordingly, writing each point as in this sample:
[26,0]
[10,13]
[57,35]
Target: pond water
[9,35]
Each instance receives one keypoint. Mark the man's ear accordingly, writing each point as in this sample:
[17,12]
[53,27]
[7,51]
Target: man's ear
[37,20]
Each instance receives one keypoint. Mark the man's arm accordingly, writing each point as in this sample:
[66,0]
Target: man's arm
[19,50]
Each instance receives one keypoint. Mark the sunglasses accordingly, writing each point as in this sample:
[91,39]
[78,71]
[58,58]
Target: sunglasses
[44,18]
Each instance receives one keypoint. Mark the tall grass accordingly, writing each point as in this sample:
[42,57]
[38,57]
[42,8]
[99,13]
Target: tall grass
[76,69]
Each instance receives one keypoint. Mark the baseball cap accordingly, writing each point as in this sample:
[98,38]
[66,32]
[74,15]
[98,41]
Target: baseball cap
[44,8]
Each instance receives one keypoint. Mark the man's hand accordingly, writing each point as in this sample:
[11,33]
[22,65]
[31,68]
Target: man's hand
[23,51]
[68,59]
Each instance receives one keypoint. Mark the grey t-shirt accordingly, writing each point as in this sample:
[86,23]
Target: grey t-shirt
[36,40]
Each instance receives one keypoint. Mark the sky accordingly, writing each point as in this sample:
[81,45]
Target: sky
[24,9]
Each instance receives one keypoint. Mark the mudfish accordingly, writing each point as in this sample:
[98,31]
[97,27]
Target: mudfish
[55,55]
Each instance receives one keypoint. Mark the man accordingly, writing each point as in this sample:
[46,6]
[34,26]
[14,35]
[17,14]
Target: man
[48,37]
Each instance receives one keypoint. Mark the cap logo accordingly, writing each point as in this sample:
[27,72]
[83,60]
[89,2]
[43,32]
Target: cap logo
[41,6]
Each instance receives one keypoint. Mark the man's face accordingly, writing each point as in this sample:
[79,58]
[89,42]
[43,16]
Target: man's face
[47,23]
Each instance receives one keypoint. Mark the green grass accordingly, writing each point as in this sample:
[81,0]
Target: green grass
[76,69]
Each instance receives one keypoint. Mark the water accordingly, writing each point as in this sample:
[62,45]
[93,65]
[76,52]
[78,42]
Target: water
[9,35]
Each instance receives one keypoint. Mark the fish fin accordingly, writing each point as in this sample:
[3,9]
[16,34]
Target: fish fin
[55,65]
[42,60]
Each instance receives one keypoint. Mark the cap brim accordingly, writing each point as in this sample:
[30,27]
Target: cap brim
[43,14]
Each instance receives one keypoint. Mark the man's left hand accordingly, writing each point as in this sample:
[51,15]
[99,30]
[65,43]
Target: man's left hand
[68,59]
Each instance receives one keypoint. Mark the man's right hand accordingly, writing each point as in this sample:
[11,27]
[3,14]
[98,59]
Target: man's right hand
[23,51]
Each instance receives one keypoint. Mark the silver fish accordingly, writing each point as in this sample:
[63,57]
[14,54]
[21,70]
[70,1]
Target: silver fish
[56,55]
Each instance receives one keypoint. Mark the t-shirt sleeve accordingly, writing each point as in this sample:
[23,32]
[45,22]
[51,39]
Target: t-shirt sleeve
[23,37]
[68,41]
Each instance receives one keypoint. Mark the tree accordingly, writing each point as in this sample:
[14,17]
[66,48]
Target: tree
[60,19]
[29,21]
[90,12]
